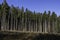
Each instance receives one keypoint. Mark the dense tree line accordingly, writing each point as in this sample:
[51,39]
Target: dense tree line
[14,18]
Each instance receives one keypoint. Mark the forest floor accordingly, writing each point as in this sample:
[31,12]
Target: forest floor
[27,36]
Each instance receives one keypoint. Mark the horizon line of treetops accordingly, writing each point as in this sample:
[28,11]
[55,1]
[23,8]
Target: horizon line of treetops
[14,18]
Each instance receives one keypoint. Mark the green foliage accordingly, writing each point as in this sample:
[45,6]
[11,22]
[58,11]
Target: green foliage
[53,16]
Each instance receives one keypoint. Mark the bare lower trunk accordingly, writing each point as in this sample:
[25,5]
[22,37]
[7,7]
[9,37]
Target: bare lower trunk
[14,23]
[36,26]
[25,25]
[29,26]
[3,23]
[11,24]
[49,27]
[53,27]
[56,29]
[45,27]
[40,27]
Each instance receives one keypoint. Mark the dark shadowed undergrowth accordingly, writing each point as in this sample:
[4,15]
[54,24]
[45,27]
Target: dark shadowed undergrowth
[28,36]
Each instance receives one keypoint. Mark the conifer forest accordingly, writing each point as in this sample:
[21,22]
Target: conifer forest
[19,19]
[15,18]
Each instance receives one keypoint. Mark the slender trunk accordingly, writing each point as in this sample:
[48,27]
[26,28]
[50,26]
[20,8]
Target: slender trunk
[36,26]
[8,23]
[33,27]
[11,22]
[3,22]
[22,24]
[40,27]
[14,23]
[41,24]
[29,26]
[49,26]
[56,27]
[53,26]
[45,27]
[25,24]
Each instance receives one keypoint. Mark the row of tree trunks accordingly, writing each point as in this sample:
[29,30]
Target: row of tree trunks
[13,18]
[27,26]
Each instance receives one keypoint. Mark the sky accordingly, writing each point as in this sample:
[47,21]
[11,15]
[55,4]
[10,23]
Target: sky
[37,5]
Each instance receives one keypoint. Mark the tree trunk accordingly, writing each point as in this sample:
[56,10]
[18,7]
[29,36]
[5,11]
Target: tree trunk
[11,23]
[29,26]
[49,26]
[40,27]
[53,27]
[36,26]
[25,25]
[45,27]
[3,22]
[56,27]
[8,23]
[14,23]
